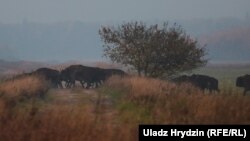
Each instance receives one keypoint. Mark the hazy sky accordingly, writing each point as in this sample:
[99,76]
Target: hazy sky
[16,11]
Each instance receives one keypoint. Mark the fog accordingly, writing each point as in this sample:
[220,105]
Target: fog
[62,30]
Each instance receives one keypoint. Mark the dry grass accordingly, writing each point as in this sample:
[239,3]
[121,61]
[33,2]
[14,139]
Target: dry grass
[13,92]
[142,86]
[163,102]
[56,124]
[134,100]
[30,121]
[28,86]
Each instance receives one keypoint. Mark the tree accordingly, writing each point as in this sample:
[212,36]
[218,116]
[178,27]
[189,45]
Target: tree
[153,50]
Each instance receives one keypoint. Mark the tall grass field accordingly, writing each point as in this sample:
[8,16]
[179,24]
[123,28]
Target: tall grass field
[31,111]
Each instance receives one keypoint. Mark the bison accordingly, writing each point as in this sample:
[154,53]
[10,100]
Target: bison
[53,76]
[243,81]
[85,74]
[201,81]
[205,82]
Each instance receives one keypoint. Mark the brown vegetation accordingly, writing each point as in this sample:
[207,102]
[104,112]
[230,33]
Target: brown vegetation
[28,86]
[168,103]
[117,109]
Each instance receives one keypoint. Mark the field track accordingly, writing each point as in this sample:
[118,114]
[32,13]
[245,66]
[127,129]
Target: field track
[95,103]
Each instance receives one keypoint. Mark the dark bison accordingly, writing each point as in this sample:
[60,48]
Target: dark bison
[244,81]
[53,76]
[88,75]
[201,81]
[83,74]
[205,82]
[68,73]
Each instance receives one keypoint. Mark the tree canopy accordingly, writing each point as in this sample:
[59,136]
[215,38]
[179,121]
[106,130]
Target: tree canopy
[155,50]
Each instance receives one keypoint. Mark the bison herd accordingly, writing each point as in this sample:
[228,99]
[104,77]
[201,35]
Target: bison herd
[88,76]
[209,83]
[93,76]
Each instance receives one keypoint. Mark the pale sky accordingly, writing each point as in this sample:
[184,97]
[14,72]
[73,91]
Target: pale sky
[16,11]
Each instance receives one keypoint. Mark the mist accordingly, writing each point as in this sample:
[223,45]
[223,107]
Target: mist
[61,30]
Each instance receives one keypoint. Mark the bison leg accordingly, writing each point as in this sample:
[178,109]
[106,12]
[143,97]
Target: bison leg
[59,84]
[98,83]
[88,85]
[68,84]
[82,83]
